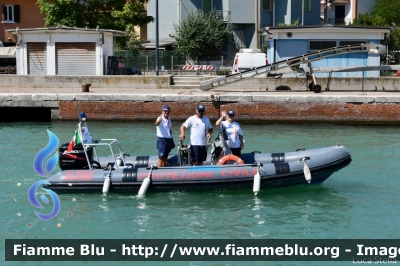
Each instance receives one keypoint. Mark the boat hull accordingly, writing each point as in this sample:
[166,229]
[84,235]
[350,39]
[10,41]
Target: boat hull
[277,170]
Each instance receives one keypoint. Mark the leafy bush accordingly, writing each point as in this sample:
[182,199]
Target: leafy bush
[223,72]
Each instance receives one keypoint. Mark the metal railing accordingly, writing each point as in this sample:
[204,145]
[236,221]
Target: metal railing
[224,15]
[292,63]
[169,62]
[339,21]
[339,1]
[93,143]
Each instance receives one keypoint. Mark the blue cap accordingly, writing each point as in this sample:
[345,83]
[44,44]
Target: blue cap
[231,113]
[201,107]
[83,115]
[166,107]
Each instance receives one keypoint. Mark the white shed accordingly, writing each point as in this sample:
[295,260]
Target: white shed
[64,50]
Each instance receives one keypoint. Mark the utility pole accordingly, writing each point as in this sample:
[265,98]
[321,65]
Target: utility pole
[157,38]
[256,22]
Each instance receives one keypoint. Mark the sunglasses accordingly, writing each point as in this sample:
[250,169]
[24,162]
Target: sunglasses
[167,111]
[201,111]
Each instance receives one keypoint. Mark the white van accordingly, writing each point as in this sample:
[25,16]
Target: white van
[247,59]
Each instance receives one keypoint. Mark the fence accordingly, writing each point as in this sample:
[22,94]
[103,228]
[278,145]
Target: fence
[169,63]
[146,60]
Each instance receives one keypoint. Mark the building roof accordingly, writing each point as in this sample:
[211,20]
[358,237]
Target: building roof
[151,44]
[322,28]
[325,32]
[61,29]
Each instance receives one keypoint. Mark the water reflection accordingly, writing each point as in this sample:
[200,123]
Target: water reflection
[274,213]
[257,203]
[306,207]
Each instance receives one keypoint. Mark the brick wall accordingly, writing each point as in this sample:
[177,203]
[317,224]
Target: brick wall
[293,112]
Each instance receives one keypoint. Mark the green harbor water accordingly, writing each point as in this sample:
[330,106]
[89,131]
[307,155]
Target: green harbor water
[357,202]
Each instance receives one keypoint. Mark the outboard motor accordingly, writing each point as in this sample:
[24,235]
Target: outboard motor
[183,154]
[220,146]
[217,148]
[75,158]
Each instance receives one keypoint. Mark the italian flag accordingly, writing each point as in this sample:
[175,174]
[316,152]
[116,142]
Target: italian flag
[75,140]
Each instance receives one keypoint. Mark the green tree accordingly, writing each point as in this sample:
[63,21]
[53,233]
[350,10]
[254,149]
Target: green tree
[389,10]
[107,14]
[387,13]
[201,31]
[131,39]
[369,20]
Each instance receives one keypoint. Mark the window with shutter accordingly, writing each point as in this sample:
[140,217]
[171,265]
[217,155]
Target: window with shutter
[266,5]
[10,13]
[207,5]
[307,6]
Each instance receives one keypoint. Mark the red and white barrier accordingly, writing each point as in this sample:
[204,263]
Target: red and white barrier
[197,67]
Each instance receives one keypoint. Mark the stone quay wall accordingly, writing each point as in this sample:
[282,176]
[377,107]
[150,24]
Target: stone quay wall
[118,81]
[388,83]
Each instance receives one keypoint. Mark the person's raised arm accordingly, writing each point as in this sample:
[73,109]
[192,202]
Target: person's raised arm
[223,116]
[159,119]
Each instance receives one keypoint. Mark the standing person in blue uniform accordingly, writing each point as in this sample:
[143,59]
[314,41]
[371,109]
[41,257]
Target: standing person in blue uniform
[165,141]
[233,130]
[200,130]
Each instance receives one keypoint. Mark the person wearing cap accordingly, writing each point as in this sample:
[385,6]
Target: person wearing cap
[233,131]
[200,130]
[165,141]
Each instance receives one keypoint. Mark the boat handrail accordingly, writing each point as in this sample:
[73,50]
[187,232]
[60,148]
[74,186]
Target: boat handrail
[209,166]
[100,142]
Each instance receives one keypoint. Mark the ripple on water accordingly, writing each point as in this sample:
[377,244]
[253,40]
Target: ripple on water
[359,201]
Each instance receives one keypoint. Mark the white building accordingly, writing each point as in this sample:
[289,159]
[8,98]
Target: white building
[64,50]
[343,12]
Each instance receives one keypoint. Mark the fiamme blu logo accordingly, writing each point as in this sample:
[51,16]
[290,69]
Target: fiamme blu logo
[44,163]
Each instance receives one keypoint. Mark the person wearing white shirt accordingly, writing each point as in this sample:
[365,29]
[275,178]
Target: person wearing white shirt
[200,130]
[165,141]
[233,131]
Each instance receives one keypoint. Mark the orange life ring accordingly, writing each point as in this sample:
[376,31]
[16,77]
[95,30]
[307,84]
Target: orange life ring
[230,157]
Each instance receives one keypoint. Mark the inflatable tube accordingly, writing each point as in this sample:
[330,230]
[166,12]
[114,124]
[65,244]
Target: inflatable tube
[276,170]
[226,159]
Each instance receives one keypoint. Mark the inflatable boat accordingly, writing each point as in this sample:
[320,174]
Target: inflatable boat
[83,170]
